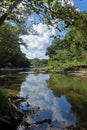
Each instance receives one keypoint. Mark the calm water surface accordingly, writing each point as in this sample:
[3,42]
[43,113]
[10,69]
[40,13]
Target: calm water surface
[63,99]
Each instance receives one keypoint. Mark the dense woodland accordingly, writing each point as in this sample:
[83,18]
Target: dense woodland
[68,51]
[10,53]
[65,53]
[39,62]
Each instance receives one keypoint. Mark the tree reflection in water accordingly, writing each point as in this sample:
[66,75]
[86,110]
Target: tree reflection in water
[62,99]
[56,108]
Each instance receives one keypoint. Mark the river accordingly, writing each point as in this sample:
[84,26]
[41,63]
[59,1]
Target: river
[61,98]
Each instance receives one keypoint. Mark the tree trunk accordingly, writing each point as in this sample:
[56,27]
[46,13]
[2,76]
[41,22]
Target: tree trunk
[11,7]
[2,18]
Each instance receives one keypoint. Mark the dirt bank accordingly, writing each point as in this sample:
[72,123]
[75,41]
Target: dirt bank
[79,73]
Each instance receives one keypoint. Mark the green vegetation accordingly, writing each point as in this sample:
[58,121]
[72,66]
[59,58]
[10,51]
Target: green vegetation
[52,12]
[9,86]
[67,53]
[72,49]
[38,62]
[4,95]
[63,53]
[75,91]
[10,53]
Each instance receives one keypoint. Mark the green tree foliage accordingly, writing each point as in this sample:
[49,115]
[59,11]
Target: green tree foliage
[51,10]
[72,49]
[74,46]
[16,10]
[39,62]
[10,54]
[51,50]
[69,86]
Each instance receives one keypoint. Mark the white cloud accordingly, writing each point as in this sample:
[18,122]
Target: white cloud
[35,86]
[37,44]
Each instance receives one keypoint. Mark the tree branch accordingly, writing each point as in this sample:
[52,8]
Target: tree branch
[11,7]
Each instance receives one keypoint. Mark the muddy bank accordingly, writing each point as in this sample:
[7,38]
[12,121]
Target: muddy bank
[79,73]
[13,69]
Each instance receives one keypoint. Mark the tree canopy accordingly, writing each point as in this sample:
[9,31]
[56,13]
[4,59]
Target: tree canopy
[69,51]
[52,11]
[73,47]
[10,53]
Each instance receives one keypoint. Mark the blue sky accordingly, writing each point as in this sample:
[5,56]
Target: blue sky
[37,44]
[81,4]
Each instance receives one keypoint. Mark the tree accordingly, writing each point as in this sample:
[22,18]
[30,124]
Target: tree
[71,50]
[51,50]
[10,53]
[52,11]
[38,62]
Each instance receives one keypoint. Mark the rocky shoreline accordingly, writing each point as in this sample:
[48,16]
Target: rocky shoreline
[13,69]
[80,73]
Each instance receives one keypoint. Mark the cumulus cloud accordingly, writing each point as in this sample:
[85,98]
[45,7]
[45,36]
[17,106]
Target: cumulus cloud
[35,87]
[37,44]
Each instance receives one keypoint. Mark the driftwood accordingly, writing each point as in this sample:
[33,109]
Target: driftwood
[5,119]
[17,116]
[28,125]
[13,103]
[42,121]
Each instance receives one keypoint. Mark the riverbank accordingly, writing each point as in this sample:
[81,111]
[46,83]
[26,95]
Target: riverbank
[80,73]
[61,89]
[13,69]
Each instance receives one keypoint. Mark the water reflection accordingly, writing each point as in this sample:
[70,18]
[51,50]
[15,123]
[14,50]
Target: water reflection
[56,108]
[75,90]
[9,86]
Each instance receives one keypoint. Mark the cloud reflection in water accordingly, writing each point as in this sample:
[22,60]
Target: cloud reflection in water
[58,109]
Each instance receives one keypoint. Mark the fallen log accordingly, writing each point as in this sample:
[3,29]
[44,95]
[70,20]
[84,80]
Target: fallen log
[27,126]
[16,99]
[15,111]
[5,119]
[41,122]
[18,116]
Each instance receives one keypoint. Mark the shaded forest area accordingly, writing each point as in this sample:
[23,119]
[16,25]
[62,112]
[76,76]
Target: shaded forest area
[10,53]
[69,53]
[64,53]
